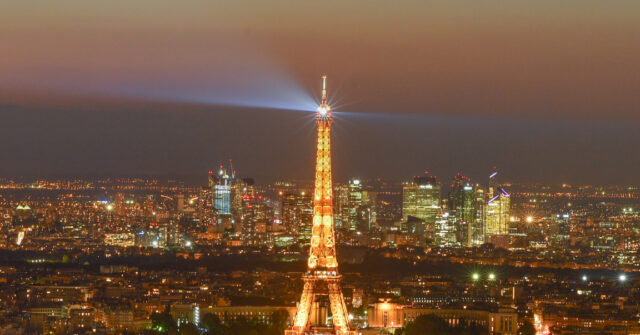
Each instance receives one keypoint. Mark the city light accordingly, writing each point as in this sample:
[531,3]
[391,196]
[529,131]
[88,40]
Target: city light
[168,169]
[20,238]
[322,110]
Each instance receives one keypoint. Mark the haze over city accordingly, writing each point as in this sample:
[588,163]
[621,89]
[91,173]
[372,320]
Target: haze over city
[546,91]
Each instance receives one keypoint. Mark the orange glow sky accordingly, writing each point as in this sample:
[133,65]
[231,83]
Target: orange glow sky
[514,61]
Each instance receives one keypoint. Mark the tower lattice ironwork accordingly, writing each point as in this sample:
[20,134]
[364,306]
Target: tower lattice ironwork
[322,277]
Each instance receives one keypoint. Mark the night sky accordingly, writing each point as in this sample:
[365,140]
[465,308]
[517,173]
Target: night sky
[547,91]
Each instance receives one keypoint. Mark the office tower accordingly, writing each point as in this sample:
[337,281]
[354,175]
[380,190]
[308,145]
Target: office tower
[560,230]
[355,201]
[477,229]
[241,190]
[222,192]
[462,206]
[256,218]
[497,209]
[444,233]
[367,213]
[322,277]
[341,205]
[297,213]
[421,199]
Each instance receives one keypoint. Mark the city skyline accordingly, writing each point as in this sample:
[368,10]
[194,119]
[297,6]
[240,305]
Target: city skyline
[326,167]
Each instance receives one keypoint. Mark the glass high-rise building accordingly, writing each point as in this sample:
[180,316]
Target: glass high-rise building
[297,213]
[477,229]
[421,199]
[341,205]
[462,205]
[497,209]
[222,193]
[367,216]
[444,231]
[355,201]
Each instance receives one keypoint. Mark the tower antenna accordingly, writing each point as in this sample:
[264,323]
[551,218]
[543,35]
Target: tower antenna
[324,110]
[324,89]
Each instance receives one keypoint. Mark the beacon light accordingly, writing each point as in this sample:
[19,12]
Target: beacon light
[324,109]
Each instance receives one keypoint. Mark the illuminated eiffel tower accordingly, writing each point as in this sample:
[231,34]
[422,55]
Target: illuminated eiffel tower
[322,277]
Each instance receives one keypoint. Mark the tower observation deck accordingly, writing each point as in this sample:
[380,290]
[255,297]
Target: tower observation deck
[322,277]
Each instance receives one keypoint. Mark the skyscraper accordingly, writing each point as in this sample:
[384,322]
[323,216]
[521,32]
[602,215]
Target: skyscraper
[322,277]
[477,230]
[355,201]
[297,213]
[421,199]
[256,218]
[341,205]
[222,192]
[444,230]
[497,209]
[462,206]
[367,213]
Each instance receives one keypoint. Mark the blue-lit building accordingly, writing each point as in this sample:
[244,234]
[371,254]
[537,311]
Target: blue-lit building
[222,192]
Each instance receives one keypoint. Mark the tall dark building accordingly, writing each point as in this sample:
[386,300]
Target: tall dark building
[355,201]
[462,199]
[222,192]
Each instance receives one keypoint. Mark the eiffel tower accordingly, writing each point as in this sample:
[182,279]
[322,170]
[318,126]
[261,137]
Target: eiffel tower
[322,277]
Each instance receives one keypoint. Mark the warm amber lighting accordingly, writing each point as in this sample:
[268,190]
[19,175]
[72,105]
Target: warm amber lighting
[322,264]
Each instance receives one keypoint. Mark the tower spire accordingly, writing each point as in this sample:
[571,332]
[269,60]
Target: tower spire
[324,110]
[322,277]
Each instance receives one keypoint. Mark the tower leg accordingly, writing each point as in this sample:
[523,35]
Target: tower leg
[301,321]
[339,309]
